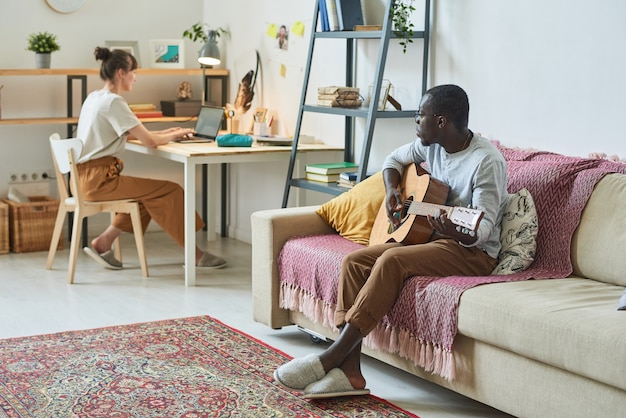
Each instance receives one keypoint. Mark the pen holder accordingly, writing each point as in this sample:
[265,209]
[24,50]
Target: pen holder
[261,129]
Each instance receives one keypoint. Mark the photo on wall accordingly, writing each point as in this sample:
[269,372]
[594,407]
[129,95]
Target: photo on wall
[167,53]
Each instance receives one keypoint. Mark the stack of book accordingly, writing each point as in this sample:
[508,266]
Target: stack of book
[335,96]
[145,110]
[347,180]
[329,172]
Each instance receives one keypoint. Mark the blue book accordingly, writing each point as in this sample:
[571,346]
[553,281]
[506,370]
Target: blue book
[324,16]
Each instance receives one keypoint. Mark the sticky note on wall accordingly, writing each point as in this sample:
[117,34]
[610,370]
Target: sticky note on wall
[298,28]
[272,30]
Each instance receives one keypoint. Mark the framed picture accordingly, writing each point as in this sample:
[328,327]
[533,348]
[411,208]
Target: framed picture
[132,47]
[382,98]
[167,53]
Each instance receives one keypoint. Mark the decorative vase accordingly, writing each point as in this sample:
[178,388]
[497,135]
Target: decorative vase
[42,60]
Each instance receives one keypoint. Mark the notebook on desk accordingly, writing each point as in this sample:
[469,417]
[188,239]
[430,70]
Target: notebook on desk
[273,140]
[207,126]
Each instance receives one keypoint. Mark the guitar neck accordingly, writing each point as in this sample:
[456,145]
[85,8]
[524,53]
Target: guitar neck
[424,208]
[463,217]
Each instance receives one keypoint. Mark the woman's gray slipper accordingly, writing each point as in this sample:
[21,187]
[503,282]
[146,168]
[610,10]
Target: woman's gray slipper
[333,385]
[300,372]
[106,259]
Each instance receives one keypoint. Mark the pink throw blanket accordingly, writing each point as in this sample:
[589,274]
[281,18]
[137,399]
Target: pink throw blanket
[560,187]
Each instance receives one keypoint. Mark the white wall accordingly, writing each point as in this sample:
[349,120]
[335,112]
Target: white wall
[542,74]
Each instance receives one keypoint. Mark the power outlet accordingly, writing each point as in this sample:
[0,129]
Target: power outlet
[33,176]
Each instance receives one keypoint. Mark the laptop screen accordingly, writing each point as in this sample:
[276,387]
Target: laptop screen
[209,122]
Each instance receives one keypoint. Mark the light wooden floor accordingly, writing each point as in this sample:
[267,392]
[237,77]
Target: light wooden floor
[37,301]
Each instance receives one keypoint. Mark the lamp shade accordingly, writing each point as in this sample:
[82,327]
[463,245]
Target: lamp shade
[210,53]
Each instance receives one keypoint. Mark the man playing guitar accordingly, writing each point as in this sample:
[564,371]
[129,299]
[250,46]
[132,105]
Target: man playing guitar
[371,278]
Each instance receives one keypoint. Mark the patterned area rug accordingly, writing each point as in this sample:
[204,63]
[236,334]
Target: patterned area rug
[190,367]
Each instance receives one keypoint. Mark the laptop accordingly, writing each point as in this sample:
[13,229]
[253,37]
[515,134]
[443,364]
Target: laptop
[207,126]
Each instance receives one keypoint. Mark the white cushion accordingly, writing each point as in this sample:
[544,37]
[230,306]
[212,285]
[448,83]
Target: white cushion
[518,234]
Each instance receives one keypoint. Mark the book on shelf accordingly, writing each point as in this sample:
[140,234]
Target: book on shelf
[331,10]
[324,178]
[141,107]
[324,25]
[345,184]
[367,28]
[348,176]
[149,114]
[333,168]
[349,14]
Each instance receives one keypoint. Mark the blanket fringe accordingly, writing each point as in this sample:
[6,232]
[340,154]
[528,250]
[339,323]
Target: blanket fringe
[431,357]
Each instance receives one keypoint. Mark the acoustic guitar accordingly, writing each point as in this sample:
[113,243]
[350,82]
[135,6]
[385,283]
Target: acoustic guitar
[422,195]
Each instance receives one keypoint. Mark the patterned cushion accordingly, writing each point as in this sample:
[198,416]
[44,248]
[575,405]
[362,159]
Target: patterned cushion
[352,213]
[518,234]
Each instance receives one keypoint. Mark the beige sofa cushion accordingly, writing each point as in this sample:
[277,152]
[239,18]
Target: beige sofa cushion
[568,323]
[599,243]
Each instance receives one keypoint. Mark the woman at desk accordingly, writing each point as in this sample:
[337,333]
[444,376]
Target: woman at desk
[104,124]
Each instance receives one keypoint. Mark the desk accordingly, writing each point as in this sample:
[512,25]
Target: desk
[194,155]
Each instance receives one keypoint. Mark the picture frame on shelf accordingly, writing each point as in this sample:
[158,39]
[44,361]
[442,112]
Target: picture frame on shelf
[132,47]
[167,53]
[384,93]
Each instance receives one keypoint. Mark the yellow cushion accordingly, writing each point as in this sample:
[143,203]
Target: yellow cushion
[352,213]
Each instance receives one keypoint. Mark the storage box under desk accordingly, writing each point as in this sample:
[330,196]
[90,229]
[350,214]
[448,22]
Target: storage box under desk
[31,224]
[4,228]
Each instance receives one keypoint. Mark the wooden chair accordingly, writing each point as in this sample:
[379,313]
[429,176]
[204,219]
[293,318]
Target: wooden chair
[64,154]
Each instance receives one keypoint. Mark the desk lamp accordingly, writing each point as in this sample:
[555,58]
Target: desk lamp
[208,55]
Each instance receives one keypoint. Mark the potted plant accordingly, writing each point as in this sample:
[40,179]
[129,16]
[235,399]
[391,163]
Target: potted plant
[401,20]
[200,32]
[42,44]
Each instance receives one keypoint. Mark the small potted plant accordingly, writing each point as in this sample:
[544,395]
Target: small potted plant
[42,44]
[402,24]
[200,32]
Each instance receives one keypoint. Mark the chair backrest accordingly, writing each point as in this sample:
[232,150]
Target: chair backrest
[60,151]
[64,154]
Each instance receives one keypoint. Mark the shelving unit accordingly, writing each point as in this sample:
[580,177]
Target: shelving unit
[80,75]
[370,113]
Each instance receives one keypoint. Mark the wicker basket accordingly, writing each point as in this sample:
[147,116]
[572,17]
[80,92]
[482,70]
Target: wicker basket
[4,228]
[31,224]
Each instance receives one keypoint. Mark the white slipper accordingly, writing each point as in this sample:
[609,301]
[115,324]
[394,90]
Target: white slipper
[210,261]
[335,384]
[300,372]
[106,259]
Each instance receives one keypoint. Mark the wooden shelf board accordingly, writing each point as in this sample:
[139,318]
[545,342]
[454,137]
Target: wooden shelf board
[96,71]
[54,121]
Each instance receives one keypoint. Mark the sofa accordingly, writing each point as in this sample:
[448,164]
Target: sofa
[546,340]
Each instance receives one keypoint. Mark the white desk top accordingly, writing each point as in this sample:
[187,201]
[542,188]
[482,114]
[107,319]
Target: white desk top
[210,149]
